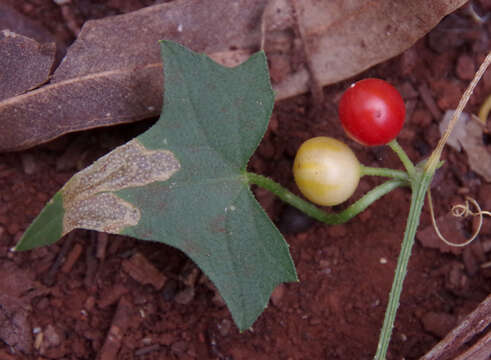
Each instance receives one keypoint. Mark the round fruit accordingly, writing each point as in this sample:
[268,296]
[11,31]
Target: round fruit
[326,171]
[372,112]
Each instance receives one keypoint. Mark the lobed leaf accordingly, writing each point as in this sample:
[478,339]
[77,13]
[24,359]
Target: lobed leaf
[182,182]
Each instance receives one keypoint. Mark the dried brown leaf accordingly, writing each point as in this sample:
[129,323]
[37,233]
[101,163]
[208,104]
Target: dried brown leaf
[18,23]
[112,73]
[468,133]
[24,63]
[344,38]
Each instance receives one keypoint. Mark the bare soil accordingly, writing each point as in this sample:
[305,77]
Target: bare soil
[95,295]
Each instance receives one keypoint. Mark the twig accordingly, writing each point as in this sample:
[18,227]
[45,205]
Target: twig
[120,324]
[72,258]
[471,325]
[91,262]
[102,239]
[147,349]
[50,277]
[481,350]
[428,100]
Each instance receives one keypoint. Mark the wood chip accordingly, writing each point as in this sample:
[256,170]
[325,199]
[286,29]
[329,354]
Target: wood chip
[429,101]
[102,239]
[72,258]
[120,324]
[112,295]
[140,269]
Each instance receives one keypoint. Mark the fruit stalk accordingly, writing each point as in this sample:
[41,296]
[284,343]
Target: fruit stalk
[315,212]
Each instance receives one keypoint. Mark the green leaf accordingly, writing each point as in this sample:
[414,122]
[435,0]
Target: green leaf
[182,182]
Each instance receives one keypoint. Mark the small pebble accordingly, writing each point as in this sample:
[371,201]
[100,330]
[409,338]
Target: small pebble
[170,290]
[485,197]
[277,294]
[51,337]
[421,117]
[450,93]
[38,340]
[449,228]
[470,262]
[438,324]
[166,339]
[477,247]
[29,164]
[179,347]
[408,91]
[465,67]
[224,327]
[407,134]
[337,231]
[280,67]
[13,228]
[217,300]
[365,215]
[89,303]
[185,296]
[456,280]
[266,150]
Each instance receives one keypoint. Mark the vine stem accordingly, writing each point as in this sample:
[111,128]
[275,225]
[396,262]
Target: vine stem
[419,188]
[315,212]
[420,181]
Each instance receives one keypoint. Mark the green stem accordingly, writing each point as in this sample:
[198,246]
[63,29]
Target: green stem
[316,213]
[408,164]
[390,173]
[419,188]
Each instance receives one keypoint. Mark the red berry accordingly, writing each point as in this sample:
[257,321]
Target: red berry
[372,112]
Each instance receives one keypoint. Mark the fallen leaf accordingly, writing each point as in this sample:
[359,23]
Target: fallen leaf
[24,63]
[459,131]
[112,74]
[478,155]
[14,21]
[343,38]
[468,134]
